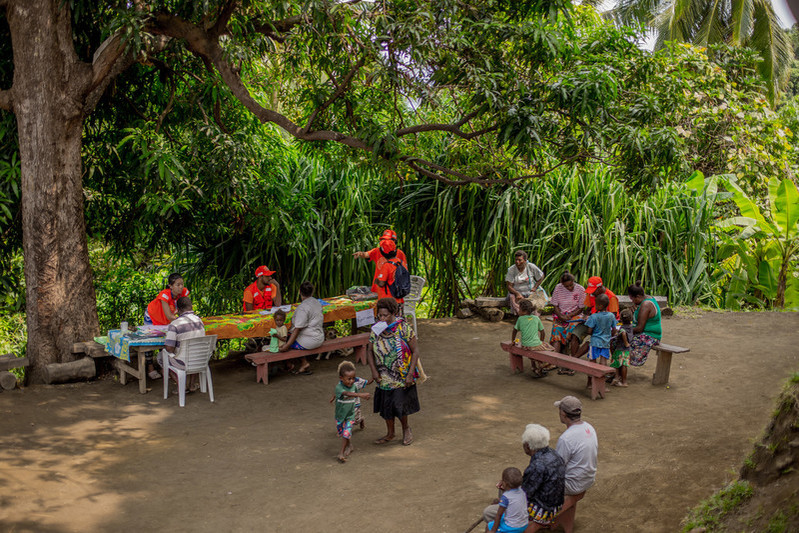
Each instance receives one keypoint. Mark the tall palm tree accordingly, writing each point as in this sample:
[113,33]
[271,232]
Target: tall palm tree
[744,23]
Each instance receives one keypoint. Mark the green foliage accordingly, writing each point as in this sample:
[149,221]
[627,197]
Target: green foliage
[710,512]
[762,256]
[13,337]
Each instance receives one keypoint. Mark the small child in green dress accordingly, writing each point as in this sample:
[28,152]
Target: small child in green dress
[347,396]
[532,330]
[621,348]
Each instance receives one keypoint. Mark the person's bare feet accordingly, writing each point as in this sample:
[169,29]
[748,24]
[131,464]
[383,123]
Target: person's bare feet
[407,437]
[363,424]
[619,384]
[384,439]
[342,459]
[348,450]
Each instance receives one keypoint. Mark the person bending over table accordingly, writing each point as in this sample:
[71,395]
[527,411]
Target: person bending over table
[263,293]
[392,355]
[186,326]
[307,330]
[577,348]
[647,329]
[162,310]
[523,279]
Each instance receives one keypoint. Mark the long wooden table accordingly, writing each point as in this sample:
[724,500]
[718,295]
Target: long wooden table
[238,326]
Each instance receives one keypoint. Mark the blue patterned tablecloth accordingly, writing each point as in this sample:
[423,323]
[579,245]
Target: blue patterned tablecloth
[119,345]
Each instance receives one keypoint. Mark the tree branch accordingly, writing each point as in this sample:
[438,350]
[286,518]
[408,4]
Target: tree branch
[224,17]
[341,89]
[6,99]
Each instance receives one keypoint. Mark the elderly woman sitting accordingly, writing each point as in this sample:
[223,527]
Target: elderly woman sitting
[523,279]
[543,480]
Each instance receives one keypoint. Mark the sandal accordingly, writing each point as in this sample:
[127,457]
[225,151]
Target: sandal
[538,374]
[154,374]
[384,440]
[565,372]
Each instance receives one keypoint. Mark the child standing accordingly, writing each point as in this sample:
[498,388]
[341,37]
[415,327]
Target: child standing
[346,396]
[279,333]
[532,330]
[512,514]
[621,348]
[600,326]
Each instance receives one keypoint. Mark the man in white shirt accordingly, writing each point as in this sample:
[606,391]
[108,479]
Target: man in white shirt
[578,447]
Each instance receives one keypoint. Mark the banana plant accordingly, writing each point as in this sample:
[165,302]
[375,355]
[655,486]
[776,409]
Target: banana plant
[768,241]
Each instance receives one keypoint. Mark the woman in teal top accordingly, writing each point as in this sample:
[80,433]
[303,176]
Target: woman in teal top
[647,331]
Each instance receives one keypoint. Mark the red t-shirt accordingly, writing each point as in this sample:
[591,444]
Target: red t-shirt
[155,310]
[613,305]
[379,260]
[260,299]
[385,273]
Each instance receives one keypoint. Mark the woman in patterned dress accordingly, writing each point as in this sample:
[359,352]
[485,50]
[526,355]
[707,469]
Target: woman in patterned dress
[392,355]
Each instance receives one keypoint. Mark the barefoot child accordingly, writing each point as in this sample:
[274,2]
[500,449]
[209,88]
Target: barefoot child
[621,348]
[600,325]
[512,514]
[357,417]
[532,331]
[346,396]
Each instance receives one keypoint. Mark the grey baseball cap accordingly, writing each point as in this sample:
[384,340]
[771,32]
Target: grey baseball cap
[570,405]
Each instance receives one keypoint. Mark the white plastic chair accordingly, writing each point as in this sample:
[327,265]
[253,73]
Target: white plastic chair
[195,354]
[412,299]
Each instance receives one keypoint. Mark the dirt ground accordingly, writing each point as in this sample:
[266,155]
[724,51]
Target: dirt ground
[99,456]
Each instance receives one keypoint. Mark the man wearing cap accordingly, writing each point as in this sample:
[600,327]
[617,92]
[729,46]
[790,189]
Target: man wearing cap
[578,447]
[594,288]
[384,276]
[263,293]
[378,258]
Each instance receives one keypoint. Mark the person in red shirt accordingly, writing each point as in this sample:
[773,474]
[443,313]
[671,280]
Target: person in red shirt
[594,288]
[377,257]
[263,293]
[384,277]
[162,310]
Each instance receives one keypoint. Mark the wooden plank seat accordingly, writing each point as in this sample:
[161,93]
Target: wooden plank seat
[665,351]
[261,360]
[596,371]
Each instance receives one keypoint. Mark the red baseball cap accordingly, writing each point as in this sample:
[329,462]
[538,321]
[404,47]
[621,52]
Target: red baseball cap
[594,282]
[263,270]
[389,234]
[387,246]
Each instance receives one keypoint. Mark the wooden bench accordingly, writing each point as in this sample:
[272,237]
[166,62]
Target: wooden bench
[261,360]
[596,371]
[665,351]
[8,361]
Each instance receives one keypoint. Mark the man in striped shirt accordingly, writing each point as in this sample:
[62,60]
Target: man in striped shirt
[186,326]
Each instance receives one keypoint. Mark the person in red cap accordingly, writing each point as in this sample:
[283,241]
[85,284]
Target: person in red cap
[263,293]
[377,258]
[594,288]
[384,276]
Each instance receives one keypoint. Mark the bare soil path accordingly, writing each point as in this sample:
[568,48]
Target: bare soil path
[101,457]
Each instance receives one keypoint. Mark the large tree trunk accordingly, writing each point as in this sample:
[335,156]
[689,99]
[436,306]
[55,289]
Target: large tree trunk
[48,78]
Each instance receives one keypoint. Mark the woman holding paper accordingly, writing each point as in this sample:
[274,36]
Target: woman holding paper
[393,355]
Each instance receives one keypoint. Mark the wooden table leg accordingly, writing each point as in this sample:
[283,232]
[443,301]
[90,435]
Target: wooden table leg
[142,372]
[661,375]
[354,326]
[123,376]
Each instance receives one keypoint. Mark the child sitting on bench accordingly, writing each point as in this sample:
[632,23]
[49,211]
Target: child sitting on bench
[532,330]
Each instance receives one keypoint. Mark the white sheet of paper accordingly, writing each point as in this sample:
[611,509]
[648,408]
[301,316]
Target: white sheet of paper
[365,317]
[379,328]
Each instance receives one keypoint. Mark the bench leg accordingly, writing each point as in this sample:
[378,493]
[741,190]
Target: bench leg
[661,375]
[262,373]
[360,355]
[516,363]
[597,387]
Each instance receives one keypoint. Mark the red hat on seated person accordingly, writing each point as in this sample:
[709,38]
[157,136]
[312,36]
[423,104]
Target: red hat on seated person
[387,246]
[263,270]
[389,234]
[594,282]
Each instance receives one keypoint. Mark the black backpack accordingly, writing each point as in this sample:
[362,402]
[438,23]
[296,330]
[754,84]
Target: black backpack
[402,281]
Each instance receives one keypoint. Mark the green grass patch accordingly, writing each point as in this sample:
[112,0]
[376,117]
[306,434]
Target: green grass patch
[710,512]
